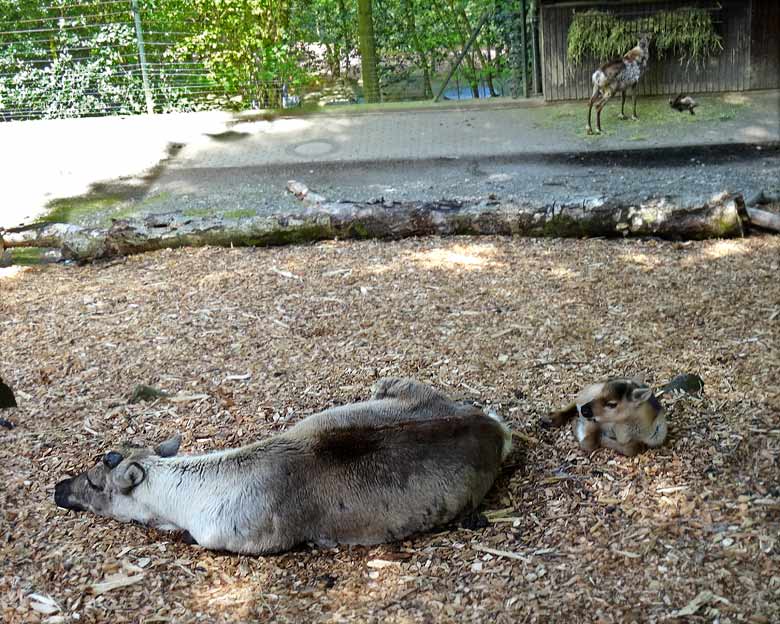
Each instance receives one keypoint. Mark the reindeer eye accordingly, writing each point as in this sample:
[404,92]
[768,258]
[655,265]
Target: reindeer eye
[612,404]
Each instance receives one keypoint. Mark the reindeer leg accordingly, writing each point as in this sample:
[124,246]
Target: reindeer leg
[633,95]
[599,107]
[593,98]
[622,114]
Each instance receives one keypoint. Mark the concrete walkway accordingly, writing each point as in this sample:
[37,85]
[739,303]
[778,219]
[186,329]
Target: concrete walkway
[227,164]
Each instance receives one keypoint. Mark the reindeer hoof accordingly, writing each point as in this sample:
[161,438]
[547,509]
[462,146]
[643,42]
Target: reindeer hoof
[634,118]
[590,130]
[622,117]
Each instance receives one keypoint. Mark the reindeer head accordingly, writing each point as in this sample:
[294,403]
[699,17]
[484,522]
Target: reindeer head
[107,488]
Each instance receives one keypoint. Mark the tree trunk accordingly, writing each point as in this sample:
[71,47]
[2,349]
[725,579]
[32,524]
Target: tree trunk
[368,58]
[345,33]
[421,57]
[320,219]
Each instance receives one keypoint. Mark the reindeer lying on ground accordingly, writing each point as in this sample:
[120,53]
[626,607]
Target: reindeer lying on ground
[621,414]
[405,461]
[617,77]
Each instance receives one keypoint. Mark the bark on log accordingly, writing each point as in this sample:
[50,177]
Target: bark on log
[663,218]
[764,219]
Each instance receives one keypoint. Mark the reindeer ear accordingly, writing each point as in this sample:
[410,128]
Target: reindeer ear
[170,447]
[130,477]
[640,395]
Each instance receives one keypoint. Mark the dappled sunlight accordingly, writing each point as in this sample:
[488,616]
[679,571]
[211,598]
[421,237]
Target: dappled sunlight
[641,260]
[736,98]
[469,257]
[12,272]
[562,272]
[717,250]
[277,126]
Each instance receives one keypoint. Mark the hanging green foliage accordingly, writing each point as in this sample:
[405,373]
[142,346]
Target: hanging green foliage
[687,34]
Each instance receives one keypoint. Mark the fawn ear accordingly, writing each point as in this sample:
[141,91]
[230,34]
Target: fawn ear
[640,395]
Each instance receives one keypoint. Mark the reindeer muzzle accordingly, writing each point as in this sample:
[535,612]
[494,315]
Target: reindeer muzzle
[62,492]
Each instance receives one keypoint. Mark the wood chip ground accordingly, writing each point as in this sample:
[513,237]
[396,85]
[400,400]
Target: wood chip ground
[252,340]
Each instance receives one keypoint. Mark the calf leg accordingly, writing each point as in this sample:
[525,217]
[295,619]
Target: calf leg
[599,107]
[629,449]
[559,417]
[593,99]
[622,105]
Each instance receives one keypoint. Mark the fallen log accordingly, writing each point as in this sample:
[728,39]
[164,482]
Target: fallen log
[721,217]
[764,219]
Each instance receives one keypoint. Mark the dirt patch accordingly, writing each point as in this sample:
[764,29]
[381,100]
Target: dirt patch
[520,324]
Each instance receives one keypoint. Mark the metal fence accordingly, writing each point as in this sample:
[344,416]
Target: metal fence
[72,58]
[97,58]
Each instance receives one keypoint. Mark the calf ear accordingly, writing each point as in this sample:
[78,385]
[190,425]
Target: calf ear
[170,447]
[130,477]
[640,395]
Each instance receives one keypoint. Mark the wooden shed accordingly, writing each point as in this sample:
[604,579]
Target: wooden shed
[750,58]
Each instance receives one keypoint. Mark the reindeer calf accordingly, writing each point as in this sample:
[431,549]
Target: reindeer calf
[617,77]
[621,414]
[405,461]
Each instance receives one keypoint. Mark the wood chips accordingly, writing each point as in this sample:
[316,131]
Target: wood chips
[252,340]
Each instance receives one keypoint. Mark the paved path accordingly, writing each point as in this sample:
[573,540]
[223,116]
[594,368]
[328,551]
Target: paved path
[234,165]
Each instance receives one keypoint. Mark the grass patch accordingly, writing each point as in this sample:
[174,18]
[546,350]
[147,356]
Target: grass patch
[240,214]
[197,212]
[655,115]
[76,209]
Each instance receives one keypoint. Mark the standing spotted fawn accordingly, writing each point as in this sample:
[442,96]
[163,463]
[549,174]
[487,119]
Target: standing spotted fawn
[618,76]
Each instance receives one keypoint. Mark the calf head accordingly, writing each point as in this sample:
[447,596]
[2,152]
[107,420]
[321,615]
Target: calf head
[107,488]
[617,406]
[617,401]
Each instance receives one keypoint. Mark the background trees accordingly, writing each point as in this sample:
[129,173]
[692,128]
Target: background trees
[78,57]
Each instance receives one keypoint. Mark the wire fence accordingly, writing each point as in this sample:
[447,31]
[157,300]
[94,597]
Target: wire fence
[103,57]
[96,58]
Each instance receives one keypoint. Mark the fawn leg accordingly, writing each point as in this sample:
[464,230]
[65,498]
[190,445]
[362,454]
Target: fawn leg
[629,449]
[622,114]
[599,107]
[588,434]
[560,417]
[593,98]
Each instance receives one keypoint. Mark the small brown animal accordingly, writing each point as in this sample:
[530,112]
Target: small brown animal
[617,76]
[405,461]
[683,102]
[621,414]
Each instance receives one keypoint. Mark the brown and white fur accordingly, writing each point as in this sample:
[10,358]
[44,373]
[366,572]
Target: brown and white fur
[404,461]
[621,414]
[618,76]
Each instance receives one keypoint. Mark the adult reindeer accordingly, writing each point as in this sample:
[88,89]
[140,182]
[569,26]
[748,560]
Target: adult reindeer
[405,461]
[618,76]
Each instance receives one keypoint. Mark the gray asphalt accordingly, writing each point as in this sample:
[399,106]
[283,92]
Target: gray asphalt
[234,165]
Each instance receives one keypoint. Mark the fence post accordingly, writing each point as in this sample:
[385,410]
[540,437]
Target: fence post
[139,36]
[523,48]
